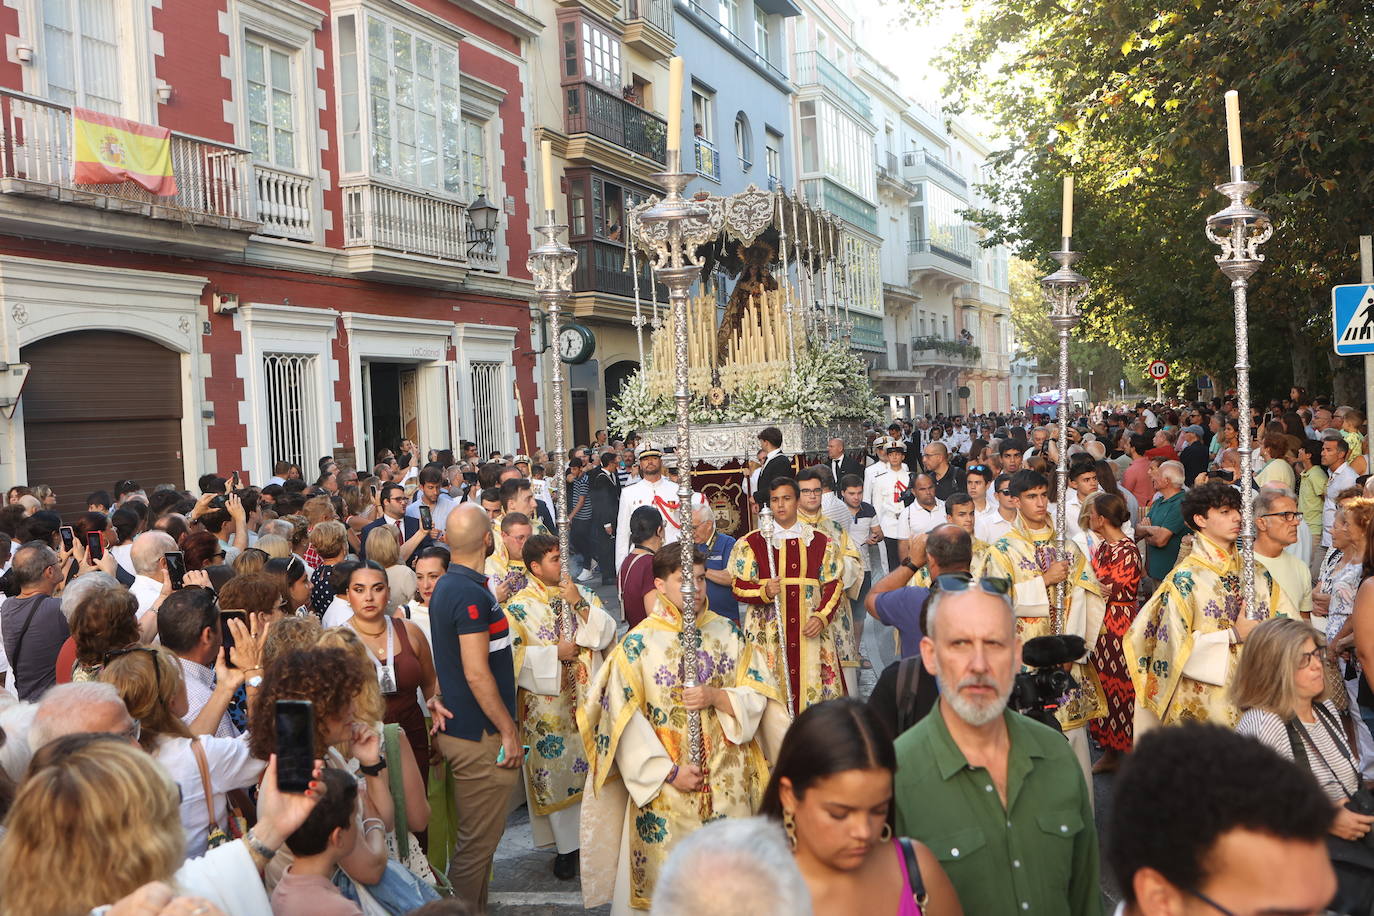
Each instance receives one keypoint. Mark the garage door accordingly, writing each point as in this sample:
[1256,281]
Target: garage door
[100,406]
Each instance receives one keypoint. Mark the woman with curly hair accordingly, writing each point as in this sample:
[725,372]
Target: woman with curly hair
[331,681]
[105,621]
[150,682]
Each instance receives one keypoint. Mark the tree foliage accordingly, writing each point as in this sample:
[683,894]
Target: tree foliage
[1127,95]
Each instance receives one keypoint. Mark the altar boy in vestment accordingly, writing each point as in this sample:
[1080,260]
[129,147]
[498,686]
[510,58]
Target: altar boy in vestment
[643,793]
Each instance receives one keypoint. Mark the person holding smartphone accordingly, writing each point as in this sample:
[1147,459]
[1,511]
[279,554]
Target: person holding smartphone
[430,497]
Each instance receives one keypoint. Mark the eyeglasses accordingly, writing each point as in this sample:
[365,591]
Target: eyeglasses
[1286,516]
[153,653]
[133,732]
[1307,658]
[962,582]
[1225,912]
[812,490]
[1004,492]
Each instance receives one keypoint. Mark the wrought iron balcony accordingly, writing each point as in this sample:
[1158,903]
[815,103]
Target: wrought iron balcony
[378,215]
[601,269]
[708,158]
[813,69]
[918,165]
[594,111]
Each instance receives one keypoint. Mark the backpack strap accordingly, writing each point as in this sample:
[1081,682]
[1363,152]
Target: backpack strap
[908,679]
[913,872]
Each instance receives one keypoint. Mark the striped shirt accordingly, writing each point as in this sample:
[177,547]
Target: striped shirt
[1328,762]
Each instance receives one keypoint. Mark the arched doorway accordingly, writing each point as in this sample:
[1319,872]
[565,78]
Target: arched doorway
[101,406]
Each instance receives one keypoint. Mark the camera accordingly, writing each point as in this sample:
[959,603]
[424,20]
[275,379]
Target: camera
[1036,693]
[1221,474]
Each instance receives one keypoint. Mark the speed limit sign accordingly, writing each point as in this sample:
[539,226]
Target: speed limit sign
[1158,370]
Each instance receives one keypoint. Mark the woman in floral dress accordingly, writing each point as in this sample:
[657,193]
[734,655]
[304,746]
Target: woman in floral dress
[1116,563]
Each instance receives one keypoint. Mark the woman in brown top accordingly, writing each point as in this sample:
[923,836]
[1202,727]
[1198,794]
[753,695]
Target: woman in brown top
[637,569]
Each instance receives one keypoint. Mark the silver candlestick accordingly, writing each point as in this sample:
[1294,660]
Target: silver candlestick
[1064,290]
[767,528]
[552,265]
[671,230]
[1239,230]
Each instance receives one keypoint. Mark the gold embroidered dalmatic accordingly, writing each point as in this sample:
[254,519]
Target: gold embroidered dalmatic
[633,717]
[1201,595]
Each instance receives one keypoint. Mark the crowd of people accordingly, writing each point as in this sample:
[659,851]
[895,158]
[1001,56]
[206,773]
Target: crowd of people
[323,696]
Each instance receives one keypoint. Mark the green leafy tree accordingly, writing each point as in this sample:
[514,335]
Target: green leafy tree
[1127,96]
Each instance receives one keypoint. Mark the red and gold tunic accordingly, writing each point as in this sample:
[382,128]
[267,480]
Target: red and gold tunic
[809,568]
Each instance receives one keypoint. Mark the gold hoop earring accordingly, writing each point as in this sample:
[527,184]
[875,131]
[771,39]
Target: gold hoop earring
[886,835]
[789,826]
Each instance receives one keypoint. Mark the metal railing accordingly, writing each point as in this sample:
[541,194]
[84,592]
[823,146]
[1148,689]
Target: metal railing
[36,148]
[489,397]
[658,13]
[601,114]
[744,47]
[915,160]
[292,404]
[919,246]
[601,269]
[285,203]
[708,159]
[382,216]
[813,69]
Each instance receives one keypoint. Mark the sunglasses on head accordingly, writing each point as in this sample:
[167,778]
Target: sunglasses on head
[153,653]
[962,582]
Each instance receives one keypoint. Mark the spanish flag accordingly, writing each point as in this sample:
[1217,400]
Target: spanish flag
[110,150]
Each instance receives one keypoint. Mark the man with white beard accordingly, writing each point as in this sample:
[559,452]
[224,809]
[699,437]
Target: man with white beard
[999,798]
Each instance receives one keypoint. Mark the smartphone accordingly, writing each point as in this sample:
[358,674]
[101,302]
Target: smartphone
[426,518]
[94,545]
[176,568]
[68,538]
[295,722]
[372,488]
[501,754]
[226,635]
[234,477]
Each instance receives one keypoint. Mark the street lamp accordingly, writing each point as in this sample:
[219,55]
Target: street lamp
[482,217]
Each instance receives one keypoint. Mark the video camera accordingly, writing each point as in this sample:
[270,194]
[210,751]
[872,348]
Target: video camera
[1036,693]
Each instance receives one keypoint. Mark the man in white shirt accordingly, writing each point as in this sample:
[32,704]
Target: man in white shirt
[977,480]
[150,569]
[1335,450]
[652,489]
[884,485]
[989,528]
[925,514]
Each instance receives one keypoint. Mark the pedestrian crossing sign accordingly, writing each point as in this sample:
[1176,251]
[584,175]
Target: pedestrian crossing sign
[1352,319]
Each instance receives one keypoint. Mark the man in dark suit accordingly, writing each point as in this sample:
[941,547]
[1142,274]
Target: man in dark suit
[775,463]
[1193,454]
[604,493]
[841,464]
[394,502]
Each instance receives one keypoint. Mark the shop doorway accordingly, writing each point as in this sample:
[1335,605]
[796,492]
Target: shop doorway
[390,407]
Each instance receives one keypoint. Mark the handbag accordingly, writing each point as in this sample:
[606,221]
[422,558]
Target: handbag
[405,848]
[1353,860]
[234,822]
[915,883]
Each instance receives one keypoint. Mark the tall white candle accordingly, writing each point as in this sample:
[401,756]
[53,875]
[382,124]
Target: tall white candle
[1233,127]
[546,166]
[1067,229]
[675,103]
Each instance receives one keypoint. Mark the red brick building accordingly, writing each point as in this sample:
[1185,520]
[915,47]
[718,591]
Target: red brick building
[319,284]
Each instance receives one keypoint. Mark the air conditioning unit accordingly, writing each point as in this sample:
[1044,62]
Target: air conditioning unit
[908,159]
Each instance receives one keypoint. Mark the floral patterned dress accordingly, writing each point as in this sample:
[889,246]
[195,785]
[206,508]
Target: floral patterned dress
[1118,569]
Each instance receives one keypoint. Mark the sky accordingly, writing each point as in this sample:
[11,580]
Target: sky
[892,41]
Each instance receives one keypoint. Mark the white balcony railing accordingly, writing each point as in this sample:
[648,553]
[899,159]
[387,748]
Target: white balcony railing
[381,216]
[37,158]
[286,204]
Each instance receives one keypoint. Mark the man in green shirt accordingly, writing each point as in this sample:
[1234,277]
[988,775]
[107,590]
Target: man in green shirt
[1000,799]
[1163,529]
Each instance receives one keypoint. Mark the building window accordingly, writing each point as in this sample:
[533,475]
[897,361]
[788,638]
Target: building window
[772,155]
[80,53]
[271,109]
[488,400]
[608,202]
[762,33]
[399,105]
[474,157]
[292,406]
[727,12]
[810,156]
[703,113]
[600,56]
[744,144]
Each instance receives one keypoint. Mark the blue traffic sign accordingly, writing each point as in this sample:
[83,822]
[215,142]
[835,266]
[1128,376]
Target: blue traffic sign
[1352,319]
